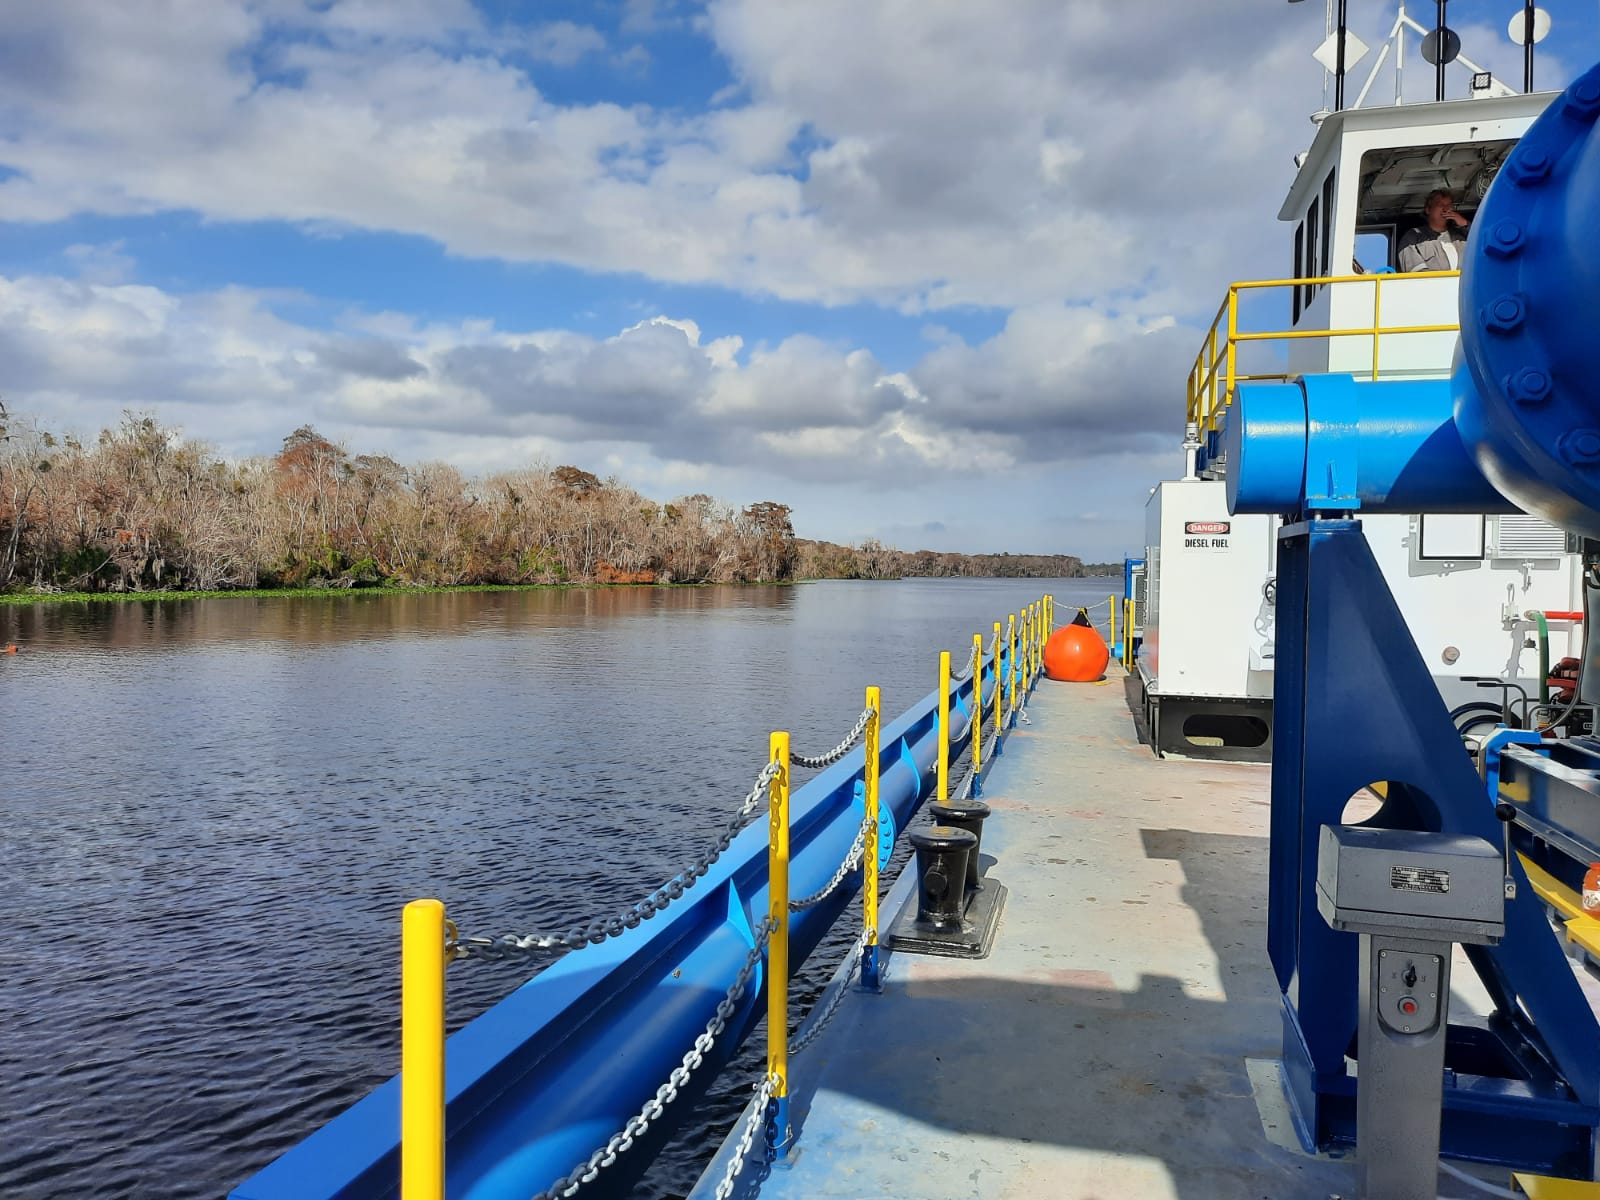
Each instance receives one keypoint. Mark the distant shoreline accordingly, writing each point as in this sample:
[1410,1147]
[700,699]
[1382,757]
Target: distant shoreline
[23,599]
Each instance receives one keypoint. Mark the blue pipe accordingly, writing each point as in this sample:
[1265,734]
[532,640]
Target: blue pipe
[546,1076]
[1331,443]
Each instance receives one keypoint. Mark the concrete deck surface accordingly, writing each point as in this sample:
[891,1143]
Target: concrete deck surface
[1119,1041]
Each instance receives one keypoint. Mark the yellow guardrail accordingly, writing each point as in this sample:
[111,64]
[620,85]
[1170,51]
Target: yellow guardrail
[430,941]
[1214,379]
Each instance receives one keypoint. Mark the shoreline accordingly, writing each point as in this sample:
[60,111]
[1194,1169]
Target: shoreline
[24,599]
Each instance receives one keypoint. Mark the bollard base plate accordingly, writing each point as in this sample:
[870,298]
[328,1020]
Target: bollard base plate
[971,939]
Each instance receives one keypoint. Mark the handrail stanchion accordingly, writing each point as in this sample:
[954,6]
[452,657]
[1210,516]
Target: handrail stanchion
[944,727]
[1022,654]
[1011,663]
[999,688]
[869,847]
[1111,603]
[778,946]
[422,962]
[976,723]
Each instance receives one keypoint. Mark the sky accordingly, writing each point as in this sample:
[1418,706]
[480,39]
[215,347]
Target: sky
[929,271]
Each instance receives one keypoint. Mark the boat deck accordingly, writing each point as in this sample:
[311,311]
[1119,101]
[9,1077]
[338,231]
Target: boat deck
[1117,1042]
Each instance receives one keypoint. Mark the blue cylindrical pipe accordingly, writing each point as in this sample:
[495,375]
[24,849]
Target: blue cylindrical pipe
[1331,443]
[1527,377]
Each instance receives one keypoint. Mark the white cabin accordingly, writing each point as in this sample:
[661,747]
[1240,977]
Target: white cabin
[1359,188]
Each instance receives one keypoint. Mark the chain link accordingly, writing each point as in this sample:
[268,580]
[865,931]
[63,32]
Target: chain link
[850,863]
[815,1025]
[640,1122]
[817,762]
[972,665]
[511,945]
[756,1121]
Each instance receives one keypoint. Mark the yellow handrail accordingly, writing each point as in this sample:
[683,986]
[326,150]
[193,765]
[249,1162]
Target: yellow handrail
[976,722]
[1214,378]
[999,690]
[423,958]
[869,849]
[943,785]
[778,914]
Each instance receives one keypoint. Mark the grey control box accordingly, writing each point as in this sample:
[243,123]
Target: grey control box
[1439,886]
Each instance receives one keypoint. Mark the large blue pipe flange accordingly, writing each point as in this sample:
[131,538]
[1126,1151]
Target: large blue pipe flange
[1527,377]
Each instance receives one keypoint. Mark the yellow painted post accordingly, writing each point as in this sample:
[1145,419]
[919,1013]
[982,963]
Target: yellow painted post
[1377,307]
[778,947]
[944,727]
[1111,603]
[1233,337]
[976,724]
[1027,649]
[869,852]
[1011,663]
[422,963]
[999,686]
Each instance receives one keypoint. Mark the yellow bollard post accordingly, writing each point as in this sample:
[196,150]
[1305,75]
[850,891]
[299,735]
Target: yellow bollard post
[976,723]
[999,687]
[1011,663]
[1027,649]
[869,851]
[778,947]
[422,963]
[1111,604]
[1038,637]
[944,727]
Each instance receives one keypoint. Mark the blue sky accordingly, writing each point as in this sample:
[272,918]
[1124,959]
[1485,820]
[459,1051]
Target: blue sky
[892,263]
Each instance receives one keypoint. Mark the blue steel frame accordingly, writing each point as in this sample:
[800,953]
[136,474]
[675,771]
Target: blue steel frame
[1354,705]
[537,1083]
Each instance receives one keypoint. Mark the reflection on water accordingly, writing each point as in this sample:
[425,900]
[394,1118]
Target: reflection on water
[214,810]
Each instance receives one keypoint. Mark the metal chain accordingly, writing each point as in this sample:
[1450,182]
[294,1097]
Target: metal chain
[756,1120]
[511,945]
[814,1027]
[817,762]
[640,1122]
[972,665]
[850,863]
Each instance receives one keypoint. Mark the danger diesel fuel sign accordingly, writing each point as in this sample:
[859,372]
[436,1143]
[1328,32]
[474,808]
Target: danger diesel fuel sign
[1205,535]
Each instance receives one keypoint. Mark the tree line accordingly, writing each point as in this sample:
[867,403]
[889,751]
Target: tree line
[142,509]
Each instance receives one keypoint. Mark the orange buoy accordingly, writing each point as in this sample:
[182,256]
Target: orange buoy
[1076,653]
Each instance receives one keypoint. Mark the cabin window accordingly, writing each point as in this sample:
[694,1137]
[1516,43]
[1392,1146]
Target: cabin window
[1299,268]
[1372,250]
[1327,227]
[1310,259]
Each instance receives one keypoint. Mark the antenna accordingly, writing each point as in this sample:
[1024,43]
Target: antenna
[1527,27]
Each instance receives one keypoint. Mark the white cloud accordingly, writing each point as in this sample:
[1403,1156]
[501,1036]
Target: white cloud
[918,157]
[228,368]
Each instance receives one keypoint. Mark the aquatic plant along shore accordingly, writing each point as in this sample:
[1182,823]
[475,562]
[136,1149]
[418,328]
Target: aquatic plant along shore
[143,510]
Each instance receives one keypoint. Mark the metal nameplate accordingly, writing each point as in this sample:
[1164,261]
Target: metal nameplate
[1419,879]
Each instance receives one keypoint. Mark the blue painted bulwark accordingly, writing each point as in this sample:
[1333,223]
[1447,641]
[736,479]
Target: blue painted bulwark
[546,1076]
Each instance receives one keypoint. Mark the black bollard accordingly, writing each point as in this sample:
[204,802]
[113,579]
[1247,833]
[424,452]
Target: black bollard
[942,853]
[968,815]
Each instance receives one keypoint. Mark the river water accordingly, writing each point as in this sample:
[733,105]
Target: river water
[214,811]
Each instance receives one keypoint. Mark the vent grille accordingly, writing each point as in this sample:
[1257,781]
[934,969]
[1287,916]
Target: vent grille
[1522,536]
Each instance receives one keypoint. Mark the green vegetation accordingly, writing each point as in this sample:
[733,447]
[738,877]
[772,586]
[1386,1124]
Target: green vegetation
[141,512]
